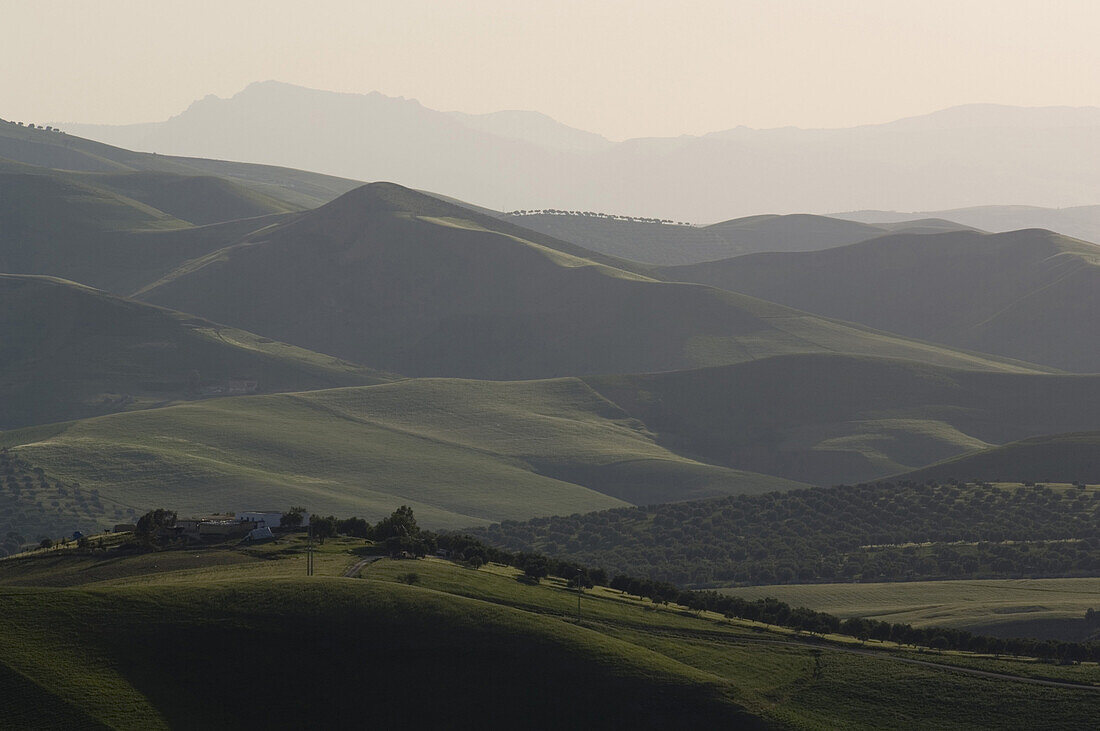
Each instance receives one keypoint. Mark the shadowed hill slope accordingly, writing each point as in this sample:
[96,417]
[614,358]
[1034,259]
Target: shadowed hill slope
[1031,294]
[829,419]
[1073,457]
[459,452]
[68,351]
[412,284]
[215,655]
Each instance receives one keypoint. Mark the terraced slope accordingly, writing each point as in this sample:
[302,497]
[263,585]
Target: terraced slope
[830,419]
[460,452]
[1030,294]
[412,284]
[69,351]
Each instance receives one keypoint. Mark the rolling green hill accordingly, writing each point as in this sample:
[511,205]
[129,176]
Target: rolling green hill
[663,243]
[828,419]
[1073,457]
[69,351]
[104,230]
[197,199]
[460,452]
[412,284]
[1028,294]
[178,638]
[50,149]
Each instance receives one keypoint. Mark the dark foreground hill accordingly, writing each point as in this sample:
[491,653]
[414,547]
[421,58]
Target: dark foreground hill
[1030,294]
[412,284]
[1071,457]
[664,243]
[69,351]
[828,419]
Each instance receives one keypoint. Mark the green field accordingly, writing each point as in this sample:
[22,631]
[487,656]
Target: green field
[461,453]
[177,638]
[1053,608]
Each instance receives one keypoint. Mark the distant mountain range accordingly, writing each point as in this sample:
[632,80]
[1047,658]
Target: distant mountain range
[963,156]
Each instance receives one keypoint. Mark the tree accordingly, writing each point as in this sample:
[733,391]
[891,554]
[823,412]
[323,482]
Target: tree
[151,526]
[400,524]
[48,543]
[323,527]
[293,518]
[536,567]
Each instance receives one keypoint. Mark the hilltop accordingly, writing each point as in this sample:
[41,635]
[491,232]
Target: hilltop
[68,351]
[666,243]
[413,284]
[58,150]
[1029,294]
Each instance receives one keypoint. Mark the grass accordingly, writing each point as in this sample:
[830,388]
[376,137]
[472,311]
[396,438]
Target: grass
[459,452]
[443,647]
[1006,608]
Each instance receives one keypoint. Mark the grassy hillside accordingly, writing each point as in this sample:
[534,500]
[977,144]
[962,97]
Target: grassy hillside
[69,152]
[134,650]
[118,231]
[1043,608]
[459,452]
[865,533]
[412,284]
[1028,294]
[197,199]
[1050,458]
[827,419]
[68,351]
[663,243]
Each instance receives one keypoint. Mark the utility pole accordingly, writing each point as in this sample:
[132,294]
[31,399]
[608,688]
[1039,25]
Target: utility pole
[309,553]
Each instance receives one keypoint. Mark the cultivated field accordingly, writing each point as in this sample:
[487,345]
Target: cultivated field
[1045,608]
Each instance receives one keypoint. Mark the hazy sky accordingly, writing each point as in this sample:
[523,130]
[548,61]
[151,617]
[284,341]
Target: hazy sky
[624,69]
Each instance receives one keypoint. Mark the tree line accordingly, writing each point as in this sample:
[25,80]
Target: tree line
[867,532]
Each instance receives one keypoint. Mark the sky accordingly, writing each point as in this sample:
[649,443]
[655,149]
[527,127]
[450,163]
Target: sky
[622,69]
